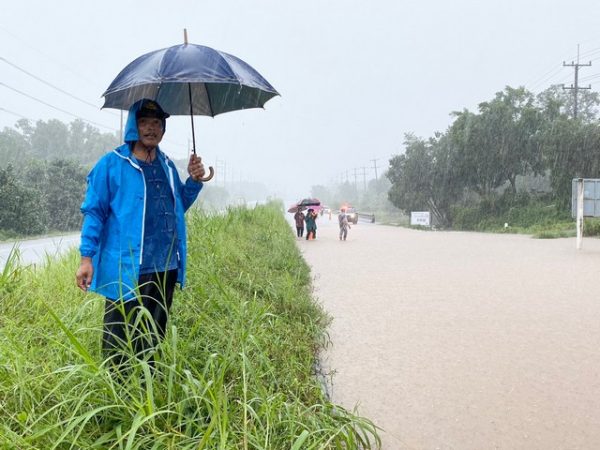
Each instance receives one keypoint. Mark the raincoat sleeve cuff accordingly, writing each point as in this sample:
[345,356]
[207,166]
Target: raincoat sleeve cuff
[87,253]
[190,191]
[193,183]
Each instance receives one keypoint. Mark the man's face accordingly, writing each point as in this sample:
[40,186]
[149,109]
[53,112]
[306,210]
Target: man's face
[150,131]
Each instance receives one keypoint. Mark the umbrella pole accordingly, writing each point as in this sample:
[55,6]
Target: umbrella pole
[210,168]
[192,118]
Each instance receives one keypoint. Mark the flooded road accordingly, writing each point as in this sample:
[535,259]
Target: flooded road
[451,340]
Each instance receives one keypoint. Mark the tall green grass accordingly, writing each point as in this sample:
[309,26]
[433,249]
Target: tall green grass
[236,370]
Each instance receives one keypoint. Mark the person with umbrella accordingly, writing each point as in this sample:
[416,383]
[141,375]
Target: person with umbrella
[311,224]
[299,218]
[133,237]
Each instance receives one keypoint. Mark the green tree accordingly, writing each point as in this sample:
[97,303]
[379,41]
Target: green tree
[50,139]
[59,186]
[500,143]
[14,147]
[18,205]
[571,150]
[86,144]
[513,124]
[424,177]
[77,141]
[64,194]
[570,147]
[556,101]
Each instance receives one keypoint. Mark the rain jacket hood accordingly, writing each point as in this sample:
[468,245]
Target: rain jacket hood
[131,130]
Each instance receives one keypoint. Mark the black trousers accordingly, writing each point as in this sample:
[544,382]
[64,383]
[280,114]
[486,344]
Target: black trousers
[140,324]
[299,231]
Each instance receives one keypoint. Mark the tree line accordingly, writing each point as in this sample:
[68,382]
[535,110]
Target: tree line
[517,146]
[43,173]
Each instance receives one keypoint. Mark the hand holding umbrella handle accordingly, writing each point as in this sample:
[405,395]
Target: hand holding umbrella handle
[210,175]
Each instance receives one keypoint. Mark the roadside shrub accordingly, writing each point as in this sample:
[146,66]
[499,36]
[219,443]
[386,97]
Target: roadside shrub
[519,211]
[591,227]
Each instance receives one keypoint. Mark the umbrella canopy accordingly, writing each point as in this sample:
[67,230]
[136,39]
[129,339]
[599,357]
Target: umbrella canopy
[216,82]
[295,208]
[190,79]
[309,202]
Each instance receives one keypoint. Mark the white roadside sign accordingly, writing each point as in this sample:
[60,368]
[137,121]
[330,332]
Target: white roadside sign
[420,218]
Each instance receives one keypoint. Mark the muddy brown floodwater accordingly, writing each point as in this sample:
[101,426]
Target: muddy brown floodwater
[452,340]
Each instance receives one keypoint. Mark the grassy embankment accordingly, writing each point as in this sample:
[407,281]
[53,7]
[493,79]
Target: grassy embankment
[236,370]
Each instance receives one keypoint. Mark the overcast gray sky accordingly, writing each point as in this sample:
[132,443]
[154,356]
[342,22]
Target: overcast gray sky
[354,76]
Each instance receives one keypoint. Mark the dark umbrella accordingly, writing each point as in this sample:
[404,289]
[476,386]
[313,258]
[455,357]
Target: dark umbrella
[295,208]
[309,202]
[190,79]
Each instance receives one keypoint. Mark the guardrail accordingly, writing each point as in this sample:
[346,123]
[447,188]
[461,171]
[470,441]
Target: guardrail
[367,216]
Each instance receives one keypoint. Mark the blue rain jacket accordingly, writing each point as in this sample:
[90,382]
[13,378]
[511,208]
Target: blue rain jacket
[114,212]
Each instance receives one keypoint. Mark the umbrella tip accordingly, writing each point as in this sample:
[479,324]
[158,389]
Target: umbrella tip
[185,39]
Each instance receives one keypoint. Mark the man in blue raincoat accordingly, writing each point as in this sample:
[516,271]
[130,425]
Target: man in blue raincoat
[133,238]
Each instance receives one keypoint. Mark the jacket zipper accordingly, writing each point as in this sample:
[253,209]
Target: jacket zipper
[137,167]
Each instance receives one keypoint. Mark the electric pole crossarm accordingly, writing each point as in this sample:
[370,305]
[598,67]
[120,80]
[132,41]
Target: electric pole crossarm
[575,86]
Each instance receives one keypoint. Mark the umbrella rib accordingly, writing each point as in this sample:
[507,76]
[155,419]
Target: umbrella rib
[210,108]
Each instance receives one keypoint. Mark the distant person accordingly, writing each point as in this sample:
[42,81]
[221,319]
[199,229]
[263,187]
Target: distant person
[311,224]
[344,224]
[133,237]
[299,218]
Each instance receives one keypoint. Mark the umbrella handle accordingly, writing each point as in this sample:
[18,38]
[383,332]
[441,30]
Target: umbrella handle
[210,175]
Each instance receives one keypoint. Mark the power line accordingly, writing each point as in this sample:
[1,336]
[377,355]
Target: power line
[545,77]
[555,70]
[13,113]
[54,60]
[51,85]
[588,53]
[590,77]
[55,107]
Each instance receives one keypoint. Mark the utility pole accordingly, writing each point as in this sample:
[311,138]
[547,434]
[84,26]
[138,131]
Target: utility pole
[364,170]
[375,166]
[575,86]
[355,178]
